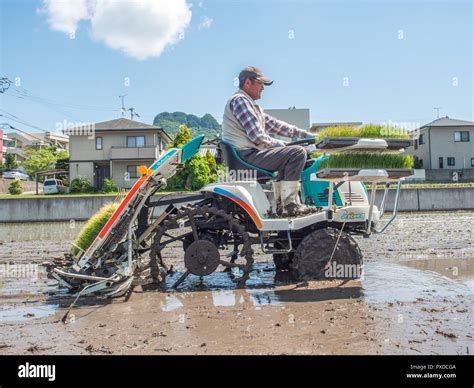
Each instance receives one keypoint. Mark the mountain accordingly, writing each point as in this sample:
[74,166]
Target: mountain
[206,125]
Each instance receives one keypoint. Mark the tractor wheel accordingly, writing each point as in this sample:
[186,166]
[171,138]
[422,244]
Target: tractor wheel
[312,259]
[282,260]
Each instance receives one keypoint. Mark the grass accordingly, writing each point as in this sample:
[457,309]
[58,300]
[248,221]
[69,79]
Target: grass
[92,228]
[365,131]
[367,160]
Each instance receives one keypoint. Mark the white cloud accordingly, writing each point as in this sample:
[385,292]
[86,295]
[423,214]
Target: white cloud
[139,28]
[64,15]
[206,22]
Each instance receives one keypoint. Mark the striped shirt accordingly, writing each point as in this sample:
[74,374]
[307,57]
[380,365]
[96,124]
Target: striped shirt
[243,110]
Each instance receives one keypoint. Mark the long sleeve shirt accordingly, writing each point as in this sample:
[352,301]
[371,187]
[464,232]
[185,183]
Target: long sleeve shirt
[244,111]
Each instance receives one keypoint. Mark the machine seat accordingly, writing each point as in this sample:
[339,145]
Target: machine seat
[236,163]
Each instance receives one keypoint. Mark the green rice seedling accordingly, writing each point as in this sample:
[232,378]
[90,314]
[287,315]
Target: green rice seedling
[338,131]
[367,160]
[366,131]
[95,224]
[316,154]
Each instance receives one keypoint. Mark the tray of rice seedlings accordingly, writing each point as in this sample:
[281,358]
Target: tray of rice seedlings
[365,167]
[366,138]
[92,228]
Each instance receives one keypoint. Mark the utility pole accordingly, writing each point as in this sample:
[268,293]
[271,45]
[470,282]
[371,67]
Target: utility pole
[437,109]
[123,105]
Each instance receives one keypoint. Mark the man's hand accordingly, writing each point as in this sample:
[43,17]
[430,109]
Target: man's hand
[279,143]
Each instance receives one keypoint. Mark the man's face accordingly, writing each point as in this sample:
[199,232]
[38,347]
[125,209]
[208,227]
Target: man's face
[253,88]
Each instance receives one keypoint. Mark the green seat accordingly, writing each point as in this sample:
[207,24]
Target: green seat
[235,162]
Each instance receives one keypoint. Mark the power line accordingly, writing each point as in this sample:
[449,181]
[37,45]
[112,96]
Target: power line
[23,93]
[21,121]
[37,98]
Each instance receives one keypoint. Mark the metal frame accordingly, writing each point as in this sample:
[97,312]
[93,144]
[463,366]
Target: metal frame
[271,251]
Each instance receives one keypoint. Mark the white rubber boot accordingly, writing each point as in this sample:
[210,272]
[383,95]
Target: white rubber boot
[277,193]
[291,202]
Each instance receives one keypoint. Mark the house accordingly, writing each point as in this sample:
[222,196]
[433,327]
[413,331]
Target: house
[209,145]
[8,146]
[298,117]
[443,147]
[213,147]
[3,145]
[114,149]
[18,142]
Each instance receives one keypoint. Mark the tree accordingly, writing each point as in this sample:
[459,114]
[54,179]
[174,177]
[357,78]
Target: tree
[109,186]
[417,163]
[10,162]
[211,161]
[198,173]
[15,188]
[43,159]
[182,137]
[62,164]
[81,185]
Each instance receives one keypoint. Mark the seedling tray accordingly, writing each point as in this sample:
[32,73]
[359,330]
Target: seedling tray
[356,144]
[366,175]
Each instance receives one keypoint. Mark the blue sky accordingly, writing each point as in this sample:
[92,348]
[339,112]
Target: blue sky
[309,48]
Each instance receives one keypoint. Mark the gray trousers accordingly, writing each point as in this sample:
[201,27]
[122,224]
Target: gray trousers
[288,161]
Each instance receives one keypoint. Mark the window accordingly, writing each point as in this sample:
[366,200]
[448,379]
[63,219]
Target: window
[415,144]
[132,171]
[472,162]
[136,141]
[440,159]
[451,161]
[462,136]
[98,143]
[421,139]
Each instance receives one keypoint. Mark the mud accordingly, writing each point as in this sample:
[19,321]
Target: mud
[415,297]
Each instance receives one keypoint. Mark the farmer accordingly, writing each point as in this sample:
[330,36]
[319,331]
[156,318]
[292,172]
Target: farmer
[248,129]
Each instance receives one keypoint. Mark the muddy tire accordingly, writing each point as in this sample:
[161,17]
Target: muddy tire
[315,250]
[282,260]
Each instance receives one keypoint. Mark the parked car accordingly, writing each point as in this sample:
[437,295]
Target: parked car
[16,174]
[54,186]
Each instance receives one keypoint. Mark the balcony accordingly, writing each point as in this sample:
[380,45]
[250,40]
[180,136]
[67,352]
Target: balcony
[123,152]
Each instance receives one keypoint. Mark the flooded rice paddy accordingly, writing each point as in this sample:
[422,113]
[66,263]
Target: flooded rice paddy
[415,297]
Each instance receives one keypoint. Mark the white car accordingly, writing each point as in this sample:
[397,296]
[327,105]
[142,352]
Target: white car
[15,174]
[53,186]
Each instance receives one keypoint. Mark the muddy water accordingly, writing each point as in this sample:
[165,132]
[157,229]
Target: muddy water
[416,296]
